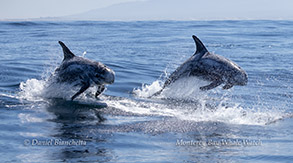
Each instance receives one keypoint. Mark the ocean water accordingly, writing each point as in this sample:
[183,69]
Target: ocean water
[250,123]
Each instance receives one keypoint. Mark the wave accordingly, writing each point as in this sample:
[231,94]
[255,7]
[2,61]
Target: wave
[22,23]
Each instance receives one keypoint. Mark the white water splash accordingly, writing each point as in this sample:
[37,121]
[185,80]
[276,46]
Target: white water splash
[199,111]
[39,90]
[83,54]
[148,90]
[32,89]
[185,88]
[187,102]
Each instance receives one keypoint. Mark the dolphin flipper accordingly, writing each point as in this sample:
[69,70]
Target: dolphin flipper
[101,88]
[214,84]
[228,86]
[84,87]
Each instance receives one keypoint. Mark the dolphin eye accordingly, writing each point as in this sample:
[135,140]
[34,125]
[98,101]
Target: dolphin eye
[104,71]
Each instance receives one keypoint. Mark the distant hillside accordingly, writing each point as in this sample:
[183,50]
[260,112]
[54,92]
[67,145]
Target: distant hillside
[191,10]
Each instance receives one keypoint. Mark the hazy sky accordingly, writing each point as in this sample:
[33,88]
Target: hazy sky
[22,9]
[148,9]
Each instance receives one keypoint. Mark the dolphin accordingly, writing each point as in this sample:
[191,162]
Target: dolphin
[83,72]
[210,67]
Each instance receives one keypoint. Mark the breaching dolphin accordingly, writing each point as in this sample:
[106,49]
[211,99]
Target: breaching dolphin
[83,72]
[210,67]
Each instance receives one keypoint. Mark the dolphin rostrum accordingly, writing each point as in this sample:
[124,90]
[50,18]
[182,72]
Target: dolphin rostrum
[83,72]
[210,67]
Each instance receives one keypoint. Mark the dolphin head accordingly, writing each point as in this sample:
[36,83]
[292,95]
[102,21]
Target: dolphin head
[239,78]
[103,74]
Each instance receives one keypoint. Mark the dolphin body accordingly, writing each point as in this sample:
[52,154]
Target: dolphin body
[83,72]
[210,67]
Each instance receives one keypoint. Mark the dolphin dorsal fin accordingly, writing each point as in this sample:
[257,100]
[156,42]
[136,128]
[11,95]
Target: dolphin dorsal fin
[200,48]
[67,53]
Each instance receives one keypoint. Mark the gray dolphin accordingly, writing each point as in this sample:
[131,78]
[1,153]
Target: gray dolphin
[210,67]
[83,72]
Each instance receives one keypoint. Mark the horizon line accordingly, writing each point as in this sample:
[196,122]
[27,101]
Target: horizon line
[136,20]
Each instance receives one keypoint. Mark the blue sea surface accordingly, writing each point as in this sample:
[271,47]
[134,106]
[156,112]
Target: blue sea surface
[251,123]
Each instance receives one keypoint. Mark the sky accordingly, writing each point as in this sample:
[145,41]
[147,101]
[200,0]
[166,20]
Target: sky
[147,9]
[24,9]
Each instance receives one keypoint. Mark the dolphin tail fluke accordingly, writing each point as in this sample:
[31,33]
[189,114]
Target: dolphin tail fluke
[67,53]
[200,48]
